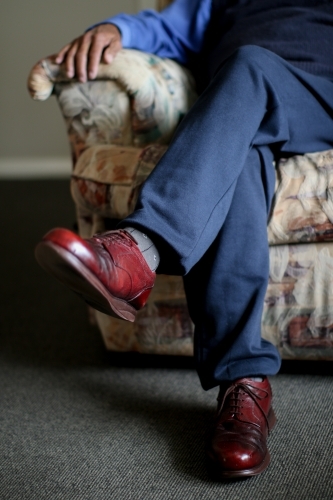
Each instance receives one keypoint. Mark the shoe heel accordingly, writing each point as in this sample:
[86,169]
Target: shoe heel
[140,301]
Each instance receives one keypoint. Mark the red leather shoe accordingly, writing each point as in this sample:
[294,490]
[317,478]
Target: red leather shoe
[108,270]
[244,418]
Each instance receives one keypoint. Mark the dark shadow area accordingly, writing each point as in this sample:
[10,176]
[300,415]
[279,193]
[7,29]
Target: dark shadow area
[306,367]
[138,360]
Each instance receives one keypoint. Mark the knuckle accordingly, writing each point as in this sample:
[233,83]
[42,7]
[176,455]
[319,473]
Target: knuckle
[99,38]
[86,36]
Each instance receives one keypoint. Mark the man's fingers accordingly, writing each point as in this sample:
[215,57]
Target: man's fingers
[61,54]
[108,56]
[111,51]
[95,55]
[81,57]
[70,59]
[108,41]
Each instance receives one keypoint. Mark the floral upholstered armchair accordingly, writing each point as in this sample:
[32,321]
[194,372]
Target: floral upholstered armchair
[119,126]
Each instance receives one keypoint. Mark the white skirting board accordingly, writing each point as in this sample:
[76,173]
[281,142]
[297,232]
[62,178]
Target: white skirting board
[35,168]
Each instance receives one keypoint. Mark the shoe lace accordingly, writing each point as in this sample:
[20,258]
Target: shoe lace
[235,401]
[114,236]
[236,391]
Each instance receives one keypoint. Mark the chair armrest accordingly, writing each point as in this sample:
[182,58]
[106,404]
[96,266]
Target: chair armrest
[42,77]
[160,92]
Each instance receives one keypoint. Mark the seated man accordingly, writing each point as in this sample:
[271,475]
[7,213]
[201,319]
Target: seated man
[202,213]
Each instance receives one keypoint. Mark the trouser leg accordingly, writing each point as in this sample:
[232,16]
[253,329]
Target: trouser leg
[225,290]
[256,102]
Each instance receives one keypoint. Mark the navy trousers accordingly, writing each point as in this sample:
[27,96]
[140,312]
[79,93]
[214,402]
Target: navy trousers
[207,201]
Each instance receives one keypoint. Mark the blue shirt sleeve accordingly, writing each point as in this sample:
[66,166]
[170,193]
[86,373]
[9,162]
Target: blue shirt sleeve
[175,32]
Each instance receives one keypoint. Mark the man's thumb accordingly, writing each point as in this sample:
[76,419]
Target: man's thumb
[108,55]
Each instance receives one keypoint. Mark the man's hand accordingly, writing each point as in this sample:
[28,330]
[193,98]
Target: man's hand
[83,55]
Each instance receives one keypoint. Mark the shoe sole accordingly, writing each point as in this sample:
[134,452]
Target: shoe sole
[69,270]
[219,474]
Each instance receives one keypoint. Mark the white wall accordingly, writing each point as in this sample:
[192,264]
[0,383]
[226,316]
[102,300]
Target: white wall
[29,30]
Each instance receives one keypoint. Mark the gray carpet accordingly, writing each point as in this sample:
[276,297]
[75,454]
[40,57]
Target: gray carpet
[80,423]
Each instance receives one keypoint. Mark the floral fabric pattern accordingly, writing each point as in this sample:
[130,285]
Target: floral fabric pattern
[106,179]
[298,311]
[303,209]
[163,326]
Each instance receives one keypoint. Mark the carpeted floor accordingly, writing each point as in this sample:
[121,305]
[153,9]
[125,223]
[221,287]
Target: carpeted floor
[80,423]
